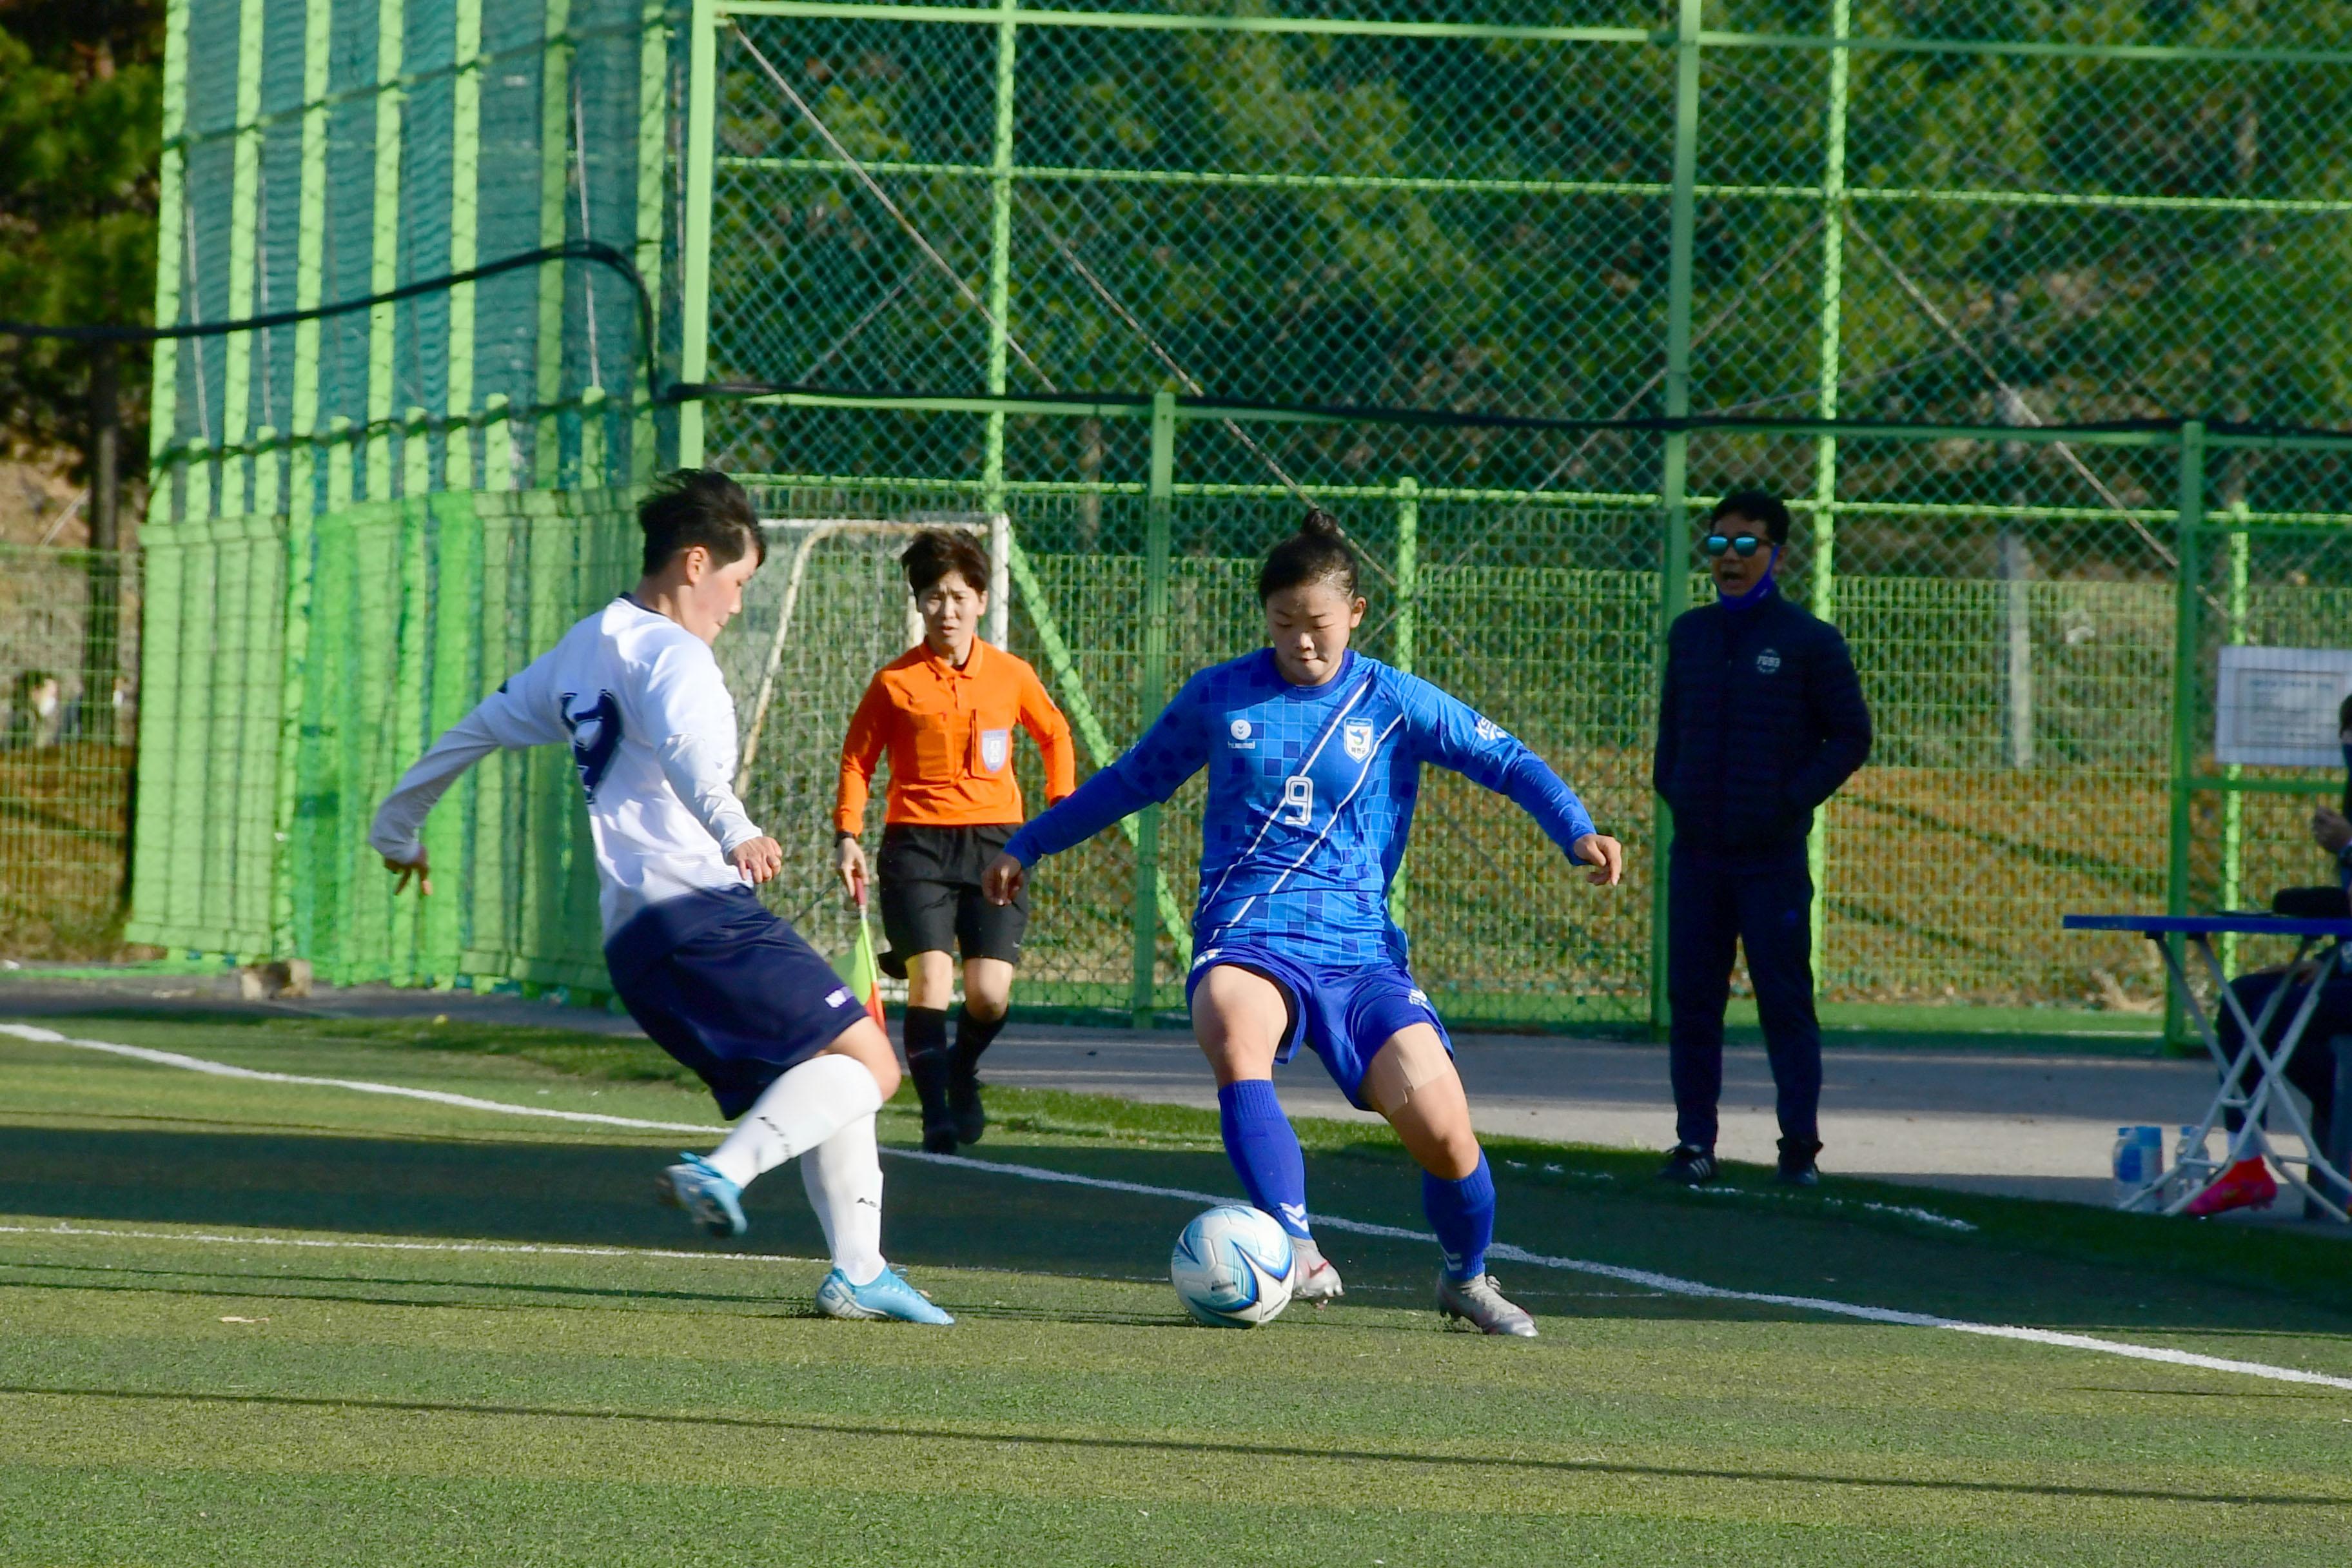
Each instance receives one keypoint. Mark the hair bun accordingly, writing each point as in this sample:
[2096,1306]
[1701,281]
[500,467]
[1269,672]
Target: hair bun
[1320,524]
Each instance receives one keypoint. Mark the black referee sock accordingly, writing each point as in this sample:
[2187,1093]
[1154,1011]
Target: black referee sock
[926,1035]
[928,1064]
[927,1048]
[973,1035]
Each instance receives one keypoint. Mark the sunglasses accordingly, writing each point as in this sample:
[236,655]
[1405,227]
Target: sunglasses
[1745,545]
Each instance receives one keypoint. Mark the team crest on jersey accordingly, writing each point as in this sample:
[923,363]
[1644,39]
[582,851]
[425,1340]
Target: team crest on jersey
[1768,661]
[1356,735]
[995,746]
[595,736]
[1488,731]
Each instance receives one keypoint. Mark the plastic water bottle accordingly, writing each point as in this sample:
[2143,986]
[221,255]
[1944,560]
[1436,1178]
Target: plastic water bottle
[2138,1160]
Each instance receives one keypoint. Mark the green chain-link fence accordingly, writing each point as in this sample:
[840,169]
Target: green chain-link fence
[935,260]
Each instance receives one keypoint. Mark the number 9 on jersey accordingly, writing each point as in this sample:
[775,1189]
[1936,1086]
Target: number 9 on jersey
[1298,801]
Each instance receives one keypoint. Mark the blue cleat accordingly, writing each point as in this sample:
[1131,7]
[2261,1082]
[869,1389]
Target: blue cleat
[712,1201]
[885,1296]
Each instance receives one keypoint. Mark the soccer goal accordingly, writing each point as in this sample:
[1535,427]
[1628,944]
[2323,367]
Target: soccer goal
[830,608]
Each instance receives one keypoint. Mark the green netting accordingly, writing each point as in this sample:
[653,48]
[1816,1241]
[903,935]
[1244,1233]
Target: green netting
[1962,229]
[330,151]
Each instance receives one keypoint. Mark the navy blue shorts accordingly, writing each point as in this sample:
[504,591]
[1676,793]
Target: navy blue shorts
[729,990]
[1343,1013]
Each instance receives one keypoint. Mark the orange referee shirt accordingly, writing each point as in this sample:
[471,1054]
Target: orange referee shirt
[949,735]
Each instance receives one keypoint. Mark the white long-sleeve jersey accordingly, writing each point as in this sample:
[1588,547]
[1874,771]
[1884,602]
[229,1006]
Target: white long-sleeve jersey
[640,700]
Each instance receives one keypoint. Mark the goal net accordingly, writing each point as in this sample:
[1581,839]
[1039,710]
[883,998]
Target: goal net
[829,609]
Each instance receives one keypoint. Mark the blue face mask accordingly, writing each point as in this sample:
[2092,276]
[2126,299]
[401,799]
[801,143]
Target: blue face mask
[1764,585]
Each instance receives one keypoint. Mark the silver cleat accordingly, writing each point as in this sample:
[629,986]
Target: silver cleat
[1317,1283]
[1479,1302]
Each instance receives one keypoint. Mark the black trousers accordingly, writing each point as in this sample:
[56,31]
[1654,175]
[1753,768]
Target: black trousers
[1766,910]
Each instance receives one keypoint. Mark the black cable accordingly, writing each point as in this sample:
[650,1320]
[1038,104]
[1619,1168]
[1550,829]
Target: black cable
[571,250]
[618,261]
[1448,419]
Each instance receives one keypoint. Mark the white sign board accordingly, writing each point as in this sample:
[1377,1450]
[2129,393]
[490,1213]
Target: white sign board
[2277,706]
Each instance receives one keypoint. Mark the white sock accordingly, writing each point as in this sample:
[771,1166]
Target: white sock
[844,1177]
[798,1111]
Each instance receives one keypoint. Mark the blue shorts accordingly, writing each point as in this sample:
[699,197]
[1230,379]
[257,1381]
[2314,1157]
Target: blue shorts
[729,990]
[1344,1013]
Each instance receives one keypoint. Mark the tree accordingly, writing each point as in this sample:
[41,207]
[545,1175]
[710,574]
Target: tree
[80,86]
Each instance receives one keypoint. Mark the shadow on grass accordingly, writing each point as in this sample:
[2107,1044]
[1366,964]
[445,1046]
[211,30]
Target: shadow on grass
[1200,1447]
[600,1196]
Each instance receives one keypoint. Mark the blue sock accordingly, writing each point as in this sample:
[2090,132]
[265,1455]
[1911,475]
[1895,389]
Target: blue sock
[1265,1153]
[1462,1215]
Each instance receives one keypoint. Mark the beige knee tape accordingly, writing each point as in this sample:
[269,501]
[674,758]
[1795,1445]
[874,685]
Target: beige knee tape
[1396,1075]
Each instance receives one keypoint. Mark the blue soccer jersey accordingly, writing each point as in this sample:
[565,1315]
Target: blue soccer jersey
[1311,792]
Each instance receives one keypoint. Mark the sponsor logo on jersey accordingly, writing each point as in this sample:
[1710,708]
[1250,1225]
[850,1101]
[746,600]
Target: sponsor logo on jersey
[1205,955]
[1487,729]
[1417,994]
[1295,1213]
[1239,729]
[995,746]
[1356,735]
[595,736]
[837,997]
[1768,661]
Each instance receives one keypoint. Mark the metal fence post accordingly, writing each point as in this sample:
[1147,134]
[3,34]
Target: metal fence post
[164,394]
[1823,575]
[652,133]
[245,181]
[465,248]
[383,244]
[999,255]
[554,228]
[2185,672]
[1408,618]
[290,863]
[1152,694]
[2233,801]
[1674,546]
[694,253]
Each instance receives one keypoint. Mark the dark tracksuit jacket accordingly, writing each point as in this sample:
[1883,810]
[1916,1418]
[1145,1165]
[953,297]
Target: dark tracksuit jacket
[1761,718]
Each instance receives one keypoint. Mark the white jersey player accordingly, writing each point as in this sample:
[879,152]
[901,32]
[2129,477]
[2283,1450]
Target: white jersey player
[716,980]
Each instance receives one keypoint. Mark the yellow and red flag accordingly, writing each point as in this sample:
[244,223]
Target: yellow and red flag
[866,971]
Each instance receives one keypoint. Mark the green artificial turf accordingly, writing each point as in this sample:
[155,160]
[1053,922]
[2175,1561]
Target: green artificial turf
[537,1365]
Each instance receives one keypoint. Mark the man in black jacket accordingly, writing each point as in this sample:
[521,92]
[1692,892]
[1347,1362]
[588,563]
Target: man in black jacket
[1760,720]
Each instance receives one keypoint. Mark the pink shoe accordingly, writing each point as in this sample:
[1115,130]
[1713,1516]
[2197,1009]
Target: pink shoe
[2247,1185]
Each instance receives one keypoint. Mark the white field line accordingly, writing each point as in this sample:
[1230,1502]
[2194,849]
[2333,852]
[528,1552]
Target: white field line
[1667,1283]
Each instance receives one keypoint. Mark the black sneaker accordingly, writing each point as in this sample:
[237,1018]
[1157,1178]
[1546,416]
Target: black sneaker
[1688,1165]
[929,1070]
[964,1104]
[1797,1167]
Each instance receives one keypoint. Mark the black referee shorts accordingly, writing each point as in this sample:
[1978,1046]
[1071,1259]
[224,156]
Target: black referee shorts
[929,882]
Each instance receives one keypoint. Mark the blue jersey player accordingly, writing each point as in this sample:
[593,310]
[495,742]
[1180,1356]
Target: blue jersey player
[719,982]
[1314,757]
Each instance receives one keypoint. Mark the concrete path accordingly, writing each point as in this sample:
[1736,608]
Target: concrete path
[2027,1124]
[2034,1125]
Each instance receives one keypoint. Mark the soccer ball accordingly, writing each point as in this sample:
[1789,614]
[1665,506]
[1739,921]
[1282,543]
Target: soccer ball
[1232,1267]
